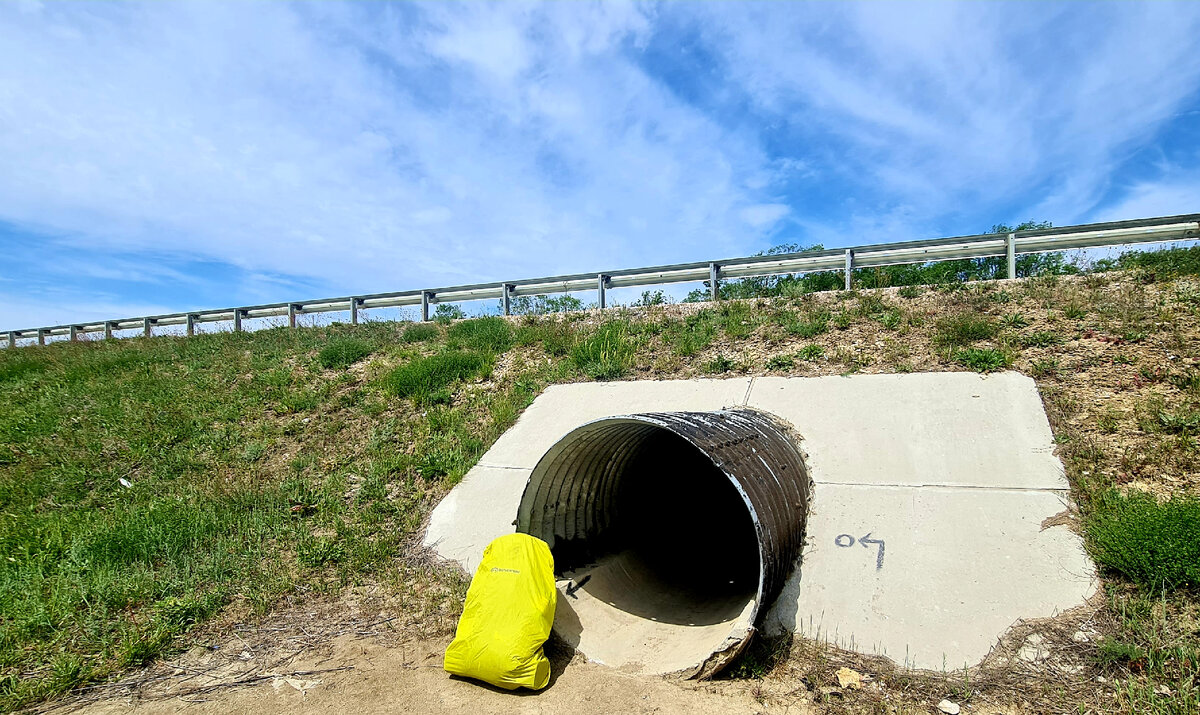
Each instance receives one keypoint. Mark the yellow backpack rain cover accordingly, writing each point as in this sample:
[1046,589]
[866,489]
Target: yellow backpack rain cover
[507,617]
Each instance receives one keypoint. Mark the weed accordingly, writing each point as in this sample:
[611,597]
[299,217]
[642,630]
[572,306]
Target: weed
[737,319]
[810,352]
[909,292]
[1074,311]
[781,362]
[719,364]
[606,354]
[1151,543]
[842,320]
[982,359]
[1108,421]
[340,353]
[891,319]
[1186,381]
[1014,320]
[1040,339]
[871,304]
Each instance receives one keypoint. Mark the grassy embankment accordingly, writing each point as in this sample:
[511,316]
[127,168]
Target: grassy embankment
[149,485]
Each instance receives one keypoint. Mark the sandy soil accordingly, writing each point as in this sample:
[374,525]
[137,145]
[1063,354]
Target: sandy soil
[372,677]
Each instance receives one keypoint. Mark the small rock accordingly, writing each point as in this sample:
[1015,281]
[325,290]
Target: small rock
[1033,650]
[849,679]
[948,707]
[1080,637]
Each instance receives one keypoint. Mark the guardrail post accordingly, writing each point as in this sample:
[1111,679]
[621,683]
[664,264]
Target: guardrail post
[425,296]
[237,320]
[601,284]
[12,339]
[714,280]
[291,315]
[191,325]
[108,328]
[1011,251]
[354,311]
[41,337]
[849,268]
[146,323]
[506,297]
[74,333]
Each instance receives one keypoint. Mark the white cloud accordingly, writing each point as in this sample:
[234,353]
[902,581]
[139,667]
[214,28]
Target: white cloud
[362,147]
[316,142]
[764,215]
[966,103]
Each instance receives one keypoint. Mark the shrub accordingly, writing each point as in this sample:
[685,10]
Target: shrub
[1152,543]
[343,352]
[605,354]
[420,332]
[427,379]
[447,312]
[964,329]
[982,359]
[492,334]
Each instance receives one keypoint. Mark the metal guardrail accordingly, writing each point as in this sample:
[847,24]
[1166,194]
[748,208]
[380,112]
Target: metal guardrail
[1116,233]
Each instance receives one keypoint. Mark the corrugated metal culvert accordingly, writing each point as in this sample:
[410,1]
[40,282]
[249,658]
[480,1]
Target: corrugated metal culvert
[676,530]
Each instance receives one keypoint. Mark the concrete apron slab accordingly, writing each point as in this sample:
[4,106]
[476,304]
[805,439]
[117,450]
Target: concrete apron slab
[925,538]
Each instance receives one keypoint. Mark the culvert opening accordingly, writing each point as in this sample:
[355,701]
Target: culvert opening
[674,532]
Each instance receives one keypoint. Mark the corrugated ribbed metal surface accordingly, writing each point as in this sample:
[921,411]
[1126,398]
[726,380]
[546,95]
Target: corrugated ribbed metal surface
[571,497]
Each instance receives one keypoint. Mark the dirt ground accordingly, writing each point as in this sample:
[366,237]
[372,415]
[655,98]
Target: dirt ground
[371,675]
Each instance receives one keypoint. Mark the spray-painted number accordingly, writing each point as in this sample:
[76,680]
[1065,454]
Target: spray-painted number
[846,541]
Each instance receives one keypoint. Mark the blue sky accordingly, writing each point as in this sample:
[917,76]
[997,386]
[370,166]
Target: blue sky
[160,157]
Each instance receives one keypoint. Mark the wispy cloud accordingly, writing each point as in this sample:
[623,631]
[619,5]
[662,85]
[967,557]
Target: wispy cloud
[173,153]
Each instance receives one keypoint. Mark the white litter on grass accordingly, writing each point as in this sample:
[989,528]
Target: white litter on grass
[124,482]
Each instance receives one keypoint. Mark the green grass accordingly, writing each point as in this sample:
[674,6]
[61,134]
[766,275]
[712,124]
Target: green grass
[492,334]
[965,329]
[421,332]
[692,334]
[719,364]
[1040,339]
[781,362]
[982,359]
[343,352]
[556,337]
[428,379]
[811,352]
[607,353]
[808,325]
[96,576]
[1154,544]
